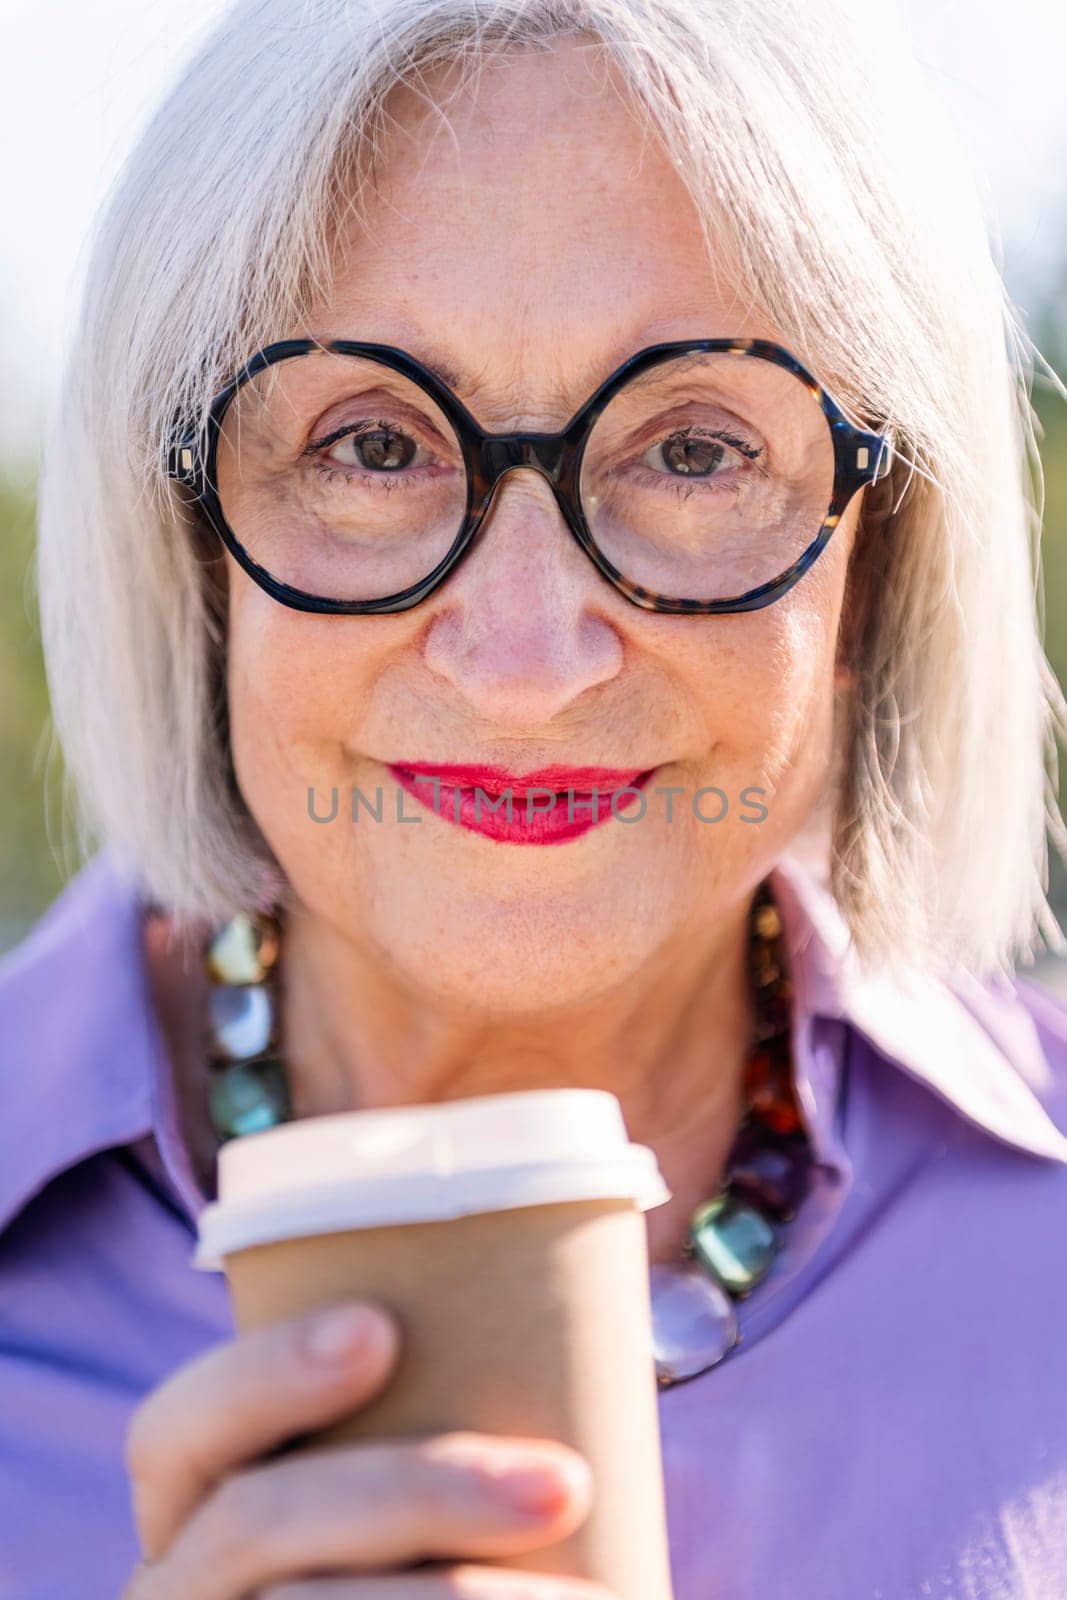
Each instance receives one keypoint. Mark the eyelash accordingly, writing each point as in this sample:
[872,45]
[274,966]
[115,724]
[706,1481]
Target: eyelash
[329,471]
[683,486]
[383,481]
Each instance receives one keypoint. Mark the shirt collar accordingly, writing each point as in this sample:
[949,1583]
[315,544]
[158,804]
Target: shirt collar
[970,1043]
[80,1034]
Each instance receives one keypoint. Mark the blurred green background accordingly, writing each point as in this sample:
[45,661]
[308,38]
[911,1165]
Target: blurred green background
[32,836]
[30,873]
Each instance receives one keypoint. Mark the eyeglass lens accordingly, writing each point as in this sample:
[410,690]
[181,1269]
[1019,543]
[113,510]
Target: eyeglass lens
[705,476]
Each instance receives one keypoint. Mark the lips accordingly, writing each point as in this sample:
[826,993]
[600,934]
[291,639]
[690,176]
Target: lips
[451,791]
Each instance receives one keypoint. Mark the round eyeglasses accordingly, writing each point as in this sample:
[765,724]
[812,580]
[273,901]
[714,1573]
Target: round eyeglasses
[703,476]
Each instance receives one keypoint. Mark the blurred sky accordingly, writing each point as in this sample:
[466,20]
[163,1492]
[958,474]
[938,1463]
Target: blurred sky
[78,78]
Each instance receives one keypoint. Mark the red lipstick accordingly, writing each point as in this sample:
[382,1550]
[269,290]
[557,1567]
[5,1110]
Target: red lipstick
[548,806]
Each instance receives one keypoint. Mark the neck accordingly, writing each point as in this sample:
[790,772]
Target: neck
[671,1046]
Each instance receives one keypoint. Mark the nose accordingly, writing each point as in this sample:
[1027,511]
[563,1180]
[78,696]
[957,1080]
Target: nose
[521,628]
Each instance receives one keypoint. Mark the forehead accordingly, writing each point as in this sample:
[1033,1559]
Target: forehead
[524,226]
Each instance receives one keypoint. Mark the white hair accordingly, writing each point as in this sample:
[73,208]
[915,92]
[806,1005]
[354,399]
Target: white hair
[861,232]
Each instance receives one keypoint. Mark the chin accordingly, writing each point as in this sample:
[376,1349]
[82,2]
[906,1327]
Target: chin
[507,955]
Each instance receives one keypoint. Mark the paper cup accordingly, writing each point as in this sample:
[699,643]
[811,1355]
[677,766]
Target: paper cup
[505,1233]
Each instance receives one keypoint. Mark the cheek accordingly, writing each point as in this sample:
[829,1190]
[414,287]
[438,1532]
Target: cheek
[769,686]
[293,686]
[802,684]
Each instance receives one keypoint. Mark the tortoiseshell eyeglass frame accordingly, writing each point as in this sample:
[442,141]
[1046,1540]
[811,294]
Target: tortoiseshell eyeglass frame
[860,458]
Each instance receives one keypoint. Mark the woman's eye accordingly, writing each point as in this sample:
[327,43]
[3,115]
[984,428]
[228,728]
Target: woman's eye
[373,447]
[692,455]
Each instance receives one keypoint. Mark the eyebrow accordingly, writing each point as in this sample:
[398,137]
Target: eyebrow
[434,362]
[431,357]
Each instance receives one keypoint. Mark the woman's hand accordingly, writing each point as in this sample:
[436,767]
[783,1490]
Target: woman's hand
[218,1524]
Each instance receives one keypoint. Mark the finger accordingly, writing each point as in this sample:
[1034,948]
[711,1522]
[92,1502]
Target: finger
[387,1504]
[240,1399]
[450,1583]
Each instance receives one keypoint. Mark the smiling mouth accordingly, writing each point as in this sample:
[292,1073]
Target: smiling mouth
[549,806]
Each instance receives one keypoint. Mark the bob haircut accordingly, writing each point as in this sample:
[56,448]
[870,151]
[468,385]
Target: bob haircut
[859,229]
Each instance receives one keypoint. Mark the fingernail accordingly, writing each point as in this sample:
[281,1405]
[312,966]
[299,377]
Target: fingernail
[338,1334]
[544,1490]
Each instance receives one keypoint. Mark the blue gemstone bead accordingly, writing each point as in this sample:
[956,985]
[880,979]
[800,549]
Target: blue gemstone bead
[734,1241]
[249,1096]
[241,1020]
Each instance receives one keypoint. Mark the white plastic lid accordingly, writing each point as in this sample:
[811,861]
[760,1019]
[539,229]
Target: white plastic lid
[425,1163]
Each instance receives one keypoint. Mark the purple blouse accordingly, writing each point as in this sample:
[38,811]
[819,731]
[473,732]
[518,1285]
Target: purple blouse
[893,1424]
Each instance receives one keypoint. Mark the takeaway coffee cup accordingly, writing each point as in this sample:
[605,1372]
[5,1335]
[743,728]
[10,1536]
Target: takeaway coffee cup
[506,1234]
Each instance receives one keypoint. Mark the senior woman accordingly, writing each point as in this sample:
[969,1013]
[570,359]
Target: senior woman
[612,409]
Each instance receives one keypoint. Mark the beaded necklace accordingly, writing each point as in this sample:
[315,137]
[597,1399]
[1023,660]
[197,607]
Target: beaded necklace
[733,1237]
